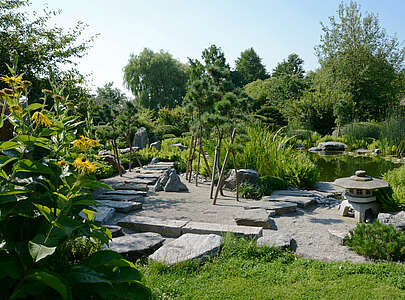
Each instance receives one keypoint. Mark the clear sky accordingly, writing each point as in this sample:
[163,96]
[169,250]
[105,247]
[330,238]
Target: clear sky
[274,28]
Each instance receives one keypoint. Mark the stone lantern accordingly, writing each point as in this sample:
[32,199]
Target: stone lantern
[360,200]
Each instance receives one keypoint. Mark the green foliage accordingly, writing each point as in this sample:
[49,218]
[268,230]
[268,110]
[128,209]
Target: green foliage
[180,166]
[46,206]
[378,241]
[172,121]
[249,68]
[396,180]
[291,66]
[104,170]
[264,186]
[271,154]
[393,136]
[156,79]
[250,191]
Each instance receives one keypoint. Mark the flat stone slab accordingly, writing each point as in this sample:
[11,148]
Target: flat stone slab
[103,214]
[189,246]
[120,198]
[125,193]
[337,236]
[131,186]
[279,240]
[328,187]
[151,176]
[165,227]
[278,207]
[220,229]
[298,193]
[253,217]
[115,230]
[121,206]
[148,181]
[137,245]
[156,167]
[301,201]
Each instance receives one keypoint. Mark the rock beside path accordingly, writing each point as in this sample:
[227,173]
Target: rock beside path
[121,206]
[131,186]
[300,201]
[279,240]
[244,176]
[174,183]
[141,138]
[338,235]
[254,217]
[137,245]
[189,246]
[396,219]
[332,146]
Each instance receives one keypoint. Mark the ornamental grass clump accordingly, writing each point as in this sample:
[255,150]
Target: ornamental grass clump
[377,241]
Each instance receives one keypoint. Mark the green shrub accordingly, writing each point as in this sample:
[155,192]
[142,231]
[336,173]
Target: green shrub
[396,180]
[180,166]
[104,170]
[393,136]
[268,184]
[76,251]
[362,130]
[377,241]
[250,191]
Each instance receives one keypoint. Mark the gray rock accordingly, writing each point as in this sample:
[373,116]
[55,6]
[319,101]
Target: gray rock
[115,230]
[301,201]
[141,138]
[103,214]
[279,240]
[297,193]
[166,227]
[137,245]
[157,145]
[161,182]
[121,206]
[279,207]
[189,246]
[253,217]
[328,187]
[180,146]
[314,149]
[396,219]
[337,236]
[135,198]
[126,193]
[332,146]
[362,151]
[125,150]
[131,186]
[109,158]
[244,176]
[154,160]
[174,183]
[220,229]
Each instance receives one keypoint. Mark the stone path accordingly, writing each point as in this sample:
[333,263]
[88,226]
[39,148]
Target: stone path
[306,217]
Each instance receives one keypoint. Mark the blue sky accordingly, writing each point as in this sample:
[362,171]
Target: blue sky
[274,28]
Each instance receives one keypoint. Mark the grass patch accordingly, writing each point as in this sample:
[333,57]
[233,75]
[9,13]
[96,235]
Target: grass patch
[243,271]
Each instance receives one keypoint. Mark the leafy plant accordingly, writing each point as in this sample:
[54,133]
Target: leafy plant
[250,191]
[396,179]
[377,241]
[45,204]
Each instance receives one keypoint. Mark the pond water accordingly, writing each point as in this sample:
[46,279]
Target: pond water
[335,166]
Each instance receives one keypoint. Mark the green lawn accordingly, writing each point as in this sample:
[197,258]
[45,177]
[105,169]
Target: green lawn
[242,271]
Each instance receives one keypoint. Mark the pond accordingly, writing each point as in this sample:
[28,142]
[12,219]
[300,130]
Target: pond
[331,167]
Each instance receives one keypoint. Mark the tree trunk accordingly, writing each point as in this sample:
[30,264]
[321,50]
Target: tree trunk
[216,163]
[236,174]
[221,176]
[206,162]
[117,158]
[190,152]
[199,158]
[191,162]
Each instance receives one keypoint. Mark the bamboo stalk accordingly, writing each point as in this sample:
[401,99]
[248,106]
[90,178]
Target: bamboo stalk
[189,156]
[199,158]
[206,162]
[236,176]
[221,176]
[117,158]
[213,171]
[192,158]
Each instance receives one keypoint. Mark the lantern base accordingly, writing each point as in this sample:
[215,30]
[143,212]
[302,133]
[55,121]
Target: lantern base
[358,210]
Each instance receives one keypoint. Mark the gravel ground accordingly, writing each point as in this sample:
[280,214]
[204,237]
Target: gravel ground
[308,227]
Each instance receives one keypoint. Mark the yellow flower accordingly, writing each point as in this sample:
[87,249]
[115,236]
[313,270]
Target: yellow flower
[62,163]
[82,164]
[16,109]
[84,142]
[41,119]
[12,80]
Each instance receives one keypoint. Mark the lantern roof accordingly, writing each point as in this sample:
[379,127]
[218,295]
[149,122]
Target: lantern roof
[361,181]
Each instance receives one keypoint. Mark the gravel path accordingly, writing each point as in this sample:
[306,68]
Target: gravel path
[308,227]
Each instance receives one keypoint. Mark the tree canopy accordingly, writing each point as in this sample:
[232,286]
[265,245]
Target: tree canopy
[249,67]
[156,79]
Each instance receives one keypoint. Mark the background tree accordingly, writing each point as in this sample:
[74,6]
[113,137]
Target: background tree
[358,57]
[291,66]
[249,68]
[107,103]
[156,79]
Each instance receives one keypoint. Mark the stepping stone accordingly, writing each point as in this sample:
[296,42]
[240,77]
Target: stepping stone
[337,236]
[121,206]
[137,245]
[169,228]
[120,198]
[328,187]
[220,229]
[254,217]
[115,230]
[103,214]
[301,201]
[189,246]
[153,172]
[156,168]
[149,176]
[279,207]
[131,186]
[279,240]
[147,181]
[299,193]
[125,193]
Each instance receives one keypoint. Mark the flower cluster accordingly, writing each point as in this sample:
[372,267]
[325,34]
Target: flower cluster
[83,165]
[41,119]
[83,143]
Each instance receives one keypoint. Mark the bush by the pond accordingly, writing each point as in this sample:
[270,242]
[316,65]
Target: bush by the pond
[271,154]
[396,179]
[377,241]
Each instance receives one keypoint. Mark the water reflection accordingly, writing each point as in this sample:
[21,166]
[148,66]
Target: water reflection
[339,165]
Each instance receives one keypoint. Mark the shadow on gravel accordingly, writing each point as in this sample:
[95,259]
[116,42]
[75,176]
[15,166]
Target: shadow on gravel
[325,221]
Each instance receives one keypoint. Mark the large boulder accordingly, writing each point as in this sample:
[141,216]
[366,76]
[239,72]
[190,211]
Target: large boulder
[174,183]
[109,158]
[396,219]
[189,246]
[161,182]
[244,176]
[141,138]
[332,146]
